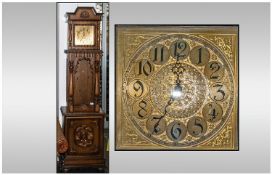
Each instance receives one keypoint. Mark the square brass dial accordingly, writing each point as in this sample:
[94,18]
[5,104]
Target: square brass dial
[176,87]
[84,35]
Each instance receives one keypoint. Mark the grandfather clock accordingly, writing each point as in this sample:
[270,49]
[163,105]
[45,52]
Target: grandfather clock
[83,118]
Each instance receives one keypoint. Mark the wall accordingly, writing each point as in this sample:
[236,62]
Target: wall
[29,87]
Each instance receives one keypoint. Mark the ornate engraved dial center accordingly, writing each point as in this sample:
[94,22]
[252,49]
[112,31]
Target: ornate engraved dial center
[192,94]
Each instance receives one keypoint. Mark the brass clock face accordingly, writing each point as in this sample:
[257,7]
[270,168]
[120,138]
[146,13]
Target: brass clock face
[177,88]
[84,35]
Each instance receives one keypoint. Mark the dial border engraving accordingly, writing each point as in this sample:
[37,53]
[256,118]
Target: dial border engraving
[228,68]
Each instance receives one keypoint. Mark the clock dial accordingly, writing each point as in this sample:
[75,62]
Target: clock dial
[142,109]
[143,68]
[84,35]
[214,71]
[179,49]
[176,131]
[219,92]
[179,91]
[155,125]
[212,112]
[197,126]
[199,56]
[159,54]
[137,88]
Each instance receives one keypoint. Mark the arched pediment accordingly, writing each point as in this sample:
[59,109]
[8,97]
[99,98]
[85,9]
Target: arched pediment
[85,13]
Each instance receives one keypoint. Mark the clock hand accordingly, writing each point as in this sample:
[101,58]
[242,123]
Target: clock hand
[177,70]
[156,126]
[180,55]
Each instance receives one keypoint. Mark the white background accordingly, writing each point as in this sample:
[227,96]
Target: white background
[29,87]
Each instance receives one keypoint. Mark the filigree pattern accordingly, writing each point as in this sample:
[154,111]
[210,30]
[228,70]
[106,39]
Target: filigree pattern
[133,42]
[223,42]
[162,81]
[193,94]
[130,136]
[223,139]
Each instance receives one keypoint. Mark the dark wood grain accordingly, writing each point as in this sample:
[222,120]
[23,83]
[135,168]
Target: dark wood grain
[88,149]
[83,118]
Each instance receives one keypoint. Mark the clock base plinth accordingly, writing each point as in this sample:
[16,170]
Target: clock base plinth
[85,134]
[72,162]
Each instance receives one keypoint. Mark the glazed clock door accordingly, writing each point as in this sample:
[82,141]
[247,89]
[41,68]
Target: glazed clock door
[177,87]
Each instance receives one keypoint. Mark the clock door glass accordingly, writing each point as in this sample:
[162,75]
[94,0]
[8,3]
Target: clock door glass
[84,35]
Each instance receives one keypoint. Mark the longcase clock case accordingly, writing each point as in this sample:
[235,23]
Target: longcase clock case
[83,118]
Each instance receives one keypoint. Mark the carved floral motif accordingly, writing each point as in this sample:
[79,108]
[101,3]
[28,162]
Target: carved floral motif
[84,136]
[84,59]
[84,14]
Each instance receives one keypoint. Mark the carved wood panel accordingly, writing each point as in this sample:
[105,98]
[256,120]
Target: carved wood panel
[84,82]
[84,135]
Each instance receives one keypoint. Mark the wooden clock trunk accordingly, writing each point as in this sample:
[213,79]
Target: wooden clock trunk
[83,117]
